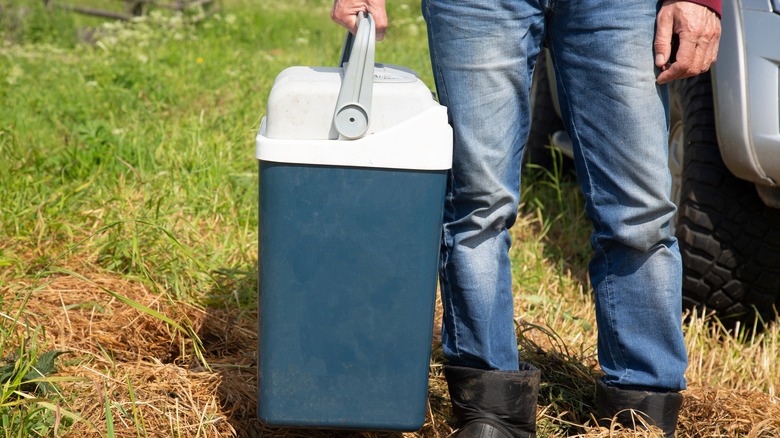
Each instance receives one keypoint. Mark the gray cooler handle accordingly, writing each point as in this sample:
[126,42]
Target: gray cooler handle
[353,107]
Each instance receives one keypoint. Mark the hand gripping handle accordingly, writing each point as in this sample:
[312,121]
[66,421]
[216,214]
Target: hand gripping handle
[353,107]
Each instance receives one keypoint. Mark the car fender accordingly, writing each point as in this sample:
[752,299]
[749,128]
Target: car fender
[746,81]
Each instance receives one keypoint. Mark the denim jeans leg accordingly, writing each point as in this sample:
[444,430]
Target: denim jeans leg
[617,117]
[483,53]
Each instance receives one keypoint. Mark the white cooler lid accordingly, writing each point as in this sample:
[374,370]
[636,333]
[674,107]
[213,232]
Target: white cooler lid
[358,114]
[422,142]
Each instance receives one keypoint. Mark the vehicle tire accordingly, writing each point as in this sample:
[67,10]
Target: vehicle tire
[730,240]
[544,119]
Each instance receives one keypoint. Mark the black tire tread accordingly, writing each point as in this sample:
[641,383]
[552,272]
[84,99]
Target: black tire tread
[730,240]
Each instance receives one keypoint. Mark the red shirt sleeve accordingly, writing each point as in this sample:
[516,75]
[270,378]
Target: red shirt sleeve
[712,4]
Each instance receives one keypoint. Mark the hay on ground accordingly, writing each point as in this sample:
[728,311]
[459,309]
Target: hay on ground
[154,385]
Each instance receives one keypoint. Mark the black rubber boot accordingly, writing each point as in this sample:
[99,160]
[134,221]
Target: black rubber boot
[659,409]
[494,404]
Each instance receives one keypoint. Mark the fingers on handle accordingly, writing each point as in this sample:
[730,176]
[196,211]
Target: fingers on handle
[380,18]
[344,15]
[344,12]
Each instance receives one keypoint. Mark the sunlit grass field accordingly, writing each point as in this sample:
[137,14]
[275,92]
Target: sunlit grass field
[128,235]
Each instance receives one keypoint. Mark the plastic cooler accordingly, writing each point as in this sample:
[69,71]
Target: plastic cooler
[353,165]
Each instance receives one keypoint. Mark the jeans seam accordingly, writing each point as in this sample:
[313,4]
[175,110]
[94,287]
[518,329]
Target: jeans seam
[453,328]
[441,88]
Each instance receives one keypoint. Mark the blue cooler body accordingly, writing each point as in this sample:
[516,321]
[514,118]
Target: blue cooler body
[348,253]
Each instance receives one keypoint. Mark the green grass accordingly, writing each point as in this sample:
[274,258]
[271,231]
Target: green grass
[150,128]
[127,150]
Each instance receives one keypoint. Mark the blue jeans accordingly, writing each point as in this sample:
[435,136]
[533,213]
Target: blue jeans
[483,54]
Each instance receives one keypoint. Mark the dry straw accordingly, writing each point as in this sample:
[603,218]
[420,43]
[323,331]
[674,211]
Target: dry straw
[141,377]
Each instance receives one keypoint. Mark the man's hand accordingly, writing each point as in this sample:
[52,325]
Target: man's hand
[698,28]
[345,12]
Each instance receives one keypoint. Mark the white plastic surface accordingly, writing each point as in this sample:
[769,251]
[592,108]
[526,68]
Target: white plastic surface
[421,142]
[303,99]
